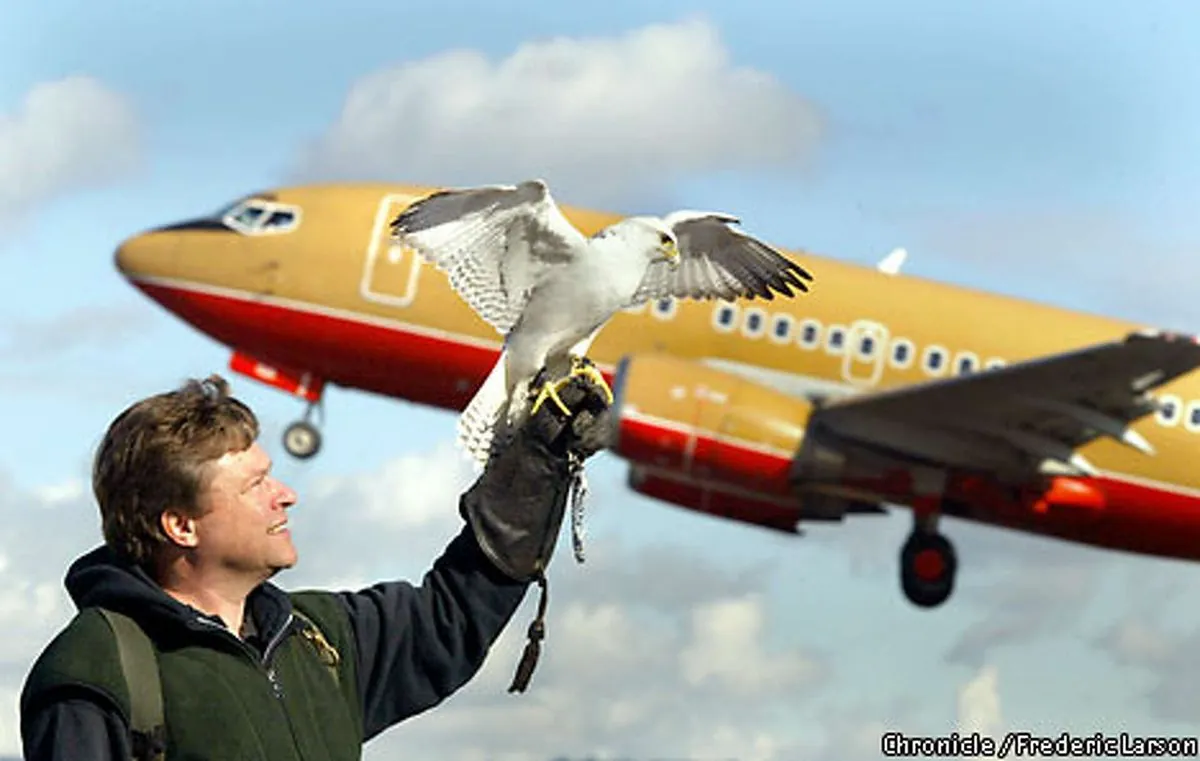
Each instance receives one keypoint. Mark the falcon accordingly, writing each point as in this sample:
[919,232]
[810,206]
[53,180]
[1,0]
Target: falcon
[513,256]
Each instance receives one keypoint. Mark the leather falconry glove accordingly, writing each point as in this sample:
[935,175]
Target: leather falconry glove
[515,509]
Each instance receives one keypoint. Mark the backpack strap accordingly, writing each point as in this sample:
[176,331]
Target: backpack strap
[328,654]
[140,666]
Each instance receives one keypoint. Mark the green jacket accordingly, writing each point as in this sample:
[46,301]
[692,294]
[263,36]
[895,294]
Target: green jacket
[403,649]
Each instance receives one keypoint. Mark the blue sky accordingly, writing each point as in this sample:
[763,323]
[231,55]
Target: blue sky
[1043,151]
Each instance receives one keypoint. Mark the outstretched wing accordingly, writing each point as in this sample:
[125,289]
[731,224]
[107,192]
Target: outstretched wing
[495,243]
[719,262]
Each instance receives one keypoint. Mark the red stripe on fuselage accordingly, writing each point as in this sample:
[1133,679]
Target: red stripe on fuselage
[439,371]
[385,360]
[1140,518]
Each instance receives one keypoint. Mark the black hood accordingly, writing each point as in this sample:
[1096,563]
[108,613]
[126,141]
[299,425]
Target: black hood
[102,578]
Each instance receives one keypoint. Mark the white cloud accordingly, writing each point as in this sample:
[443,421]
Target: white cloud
[599,118]
[1025,604]
[44,531]
[727,648]
[70,490]
[69,134]
[856,732]
[409,491]
[1147,641]
[979,705]
[610,684]
[1135,642]
[10,728]
[351,529]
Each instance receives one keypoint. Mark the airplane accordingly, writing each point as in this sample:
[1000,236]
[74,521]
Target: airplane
[877,389]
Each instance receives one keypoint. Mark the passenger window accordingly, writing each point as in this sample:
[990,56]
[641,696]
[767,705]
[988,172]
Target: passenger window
[866,347]
[837,339]
[781,330]
[967,362]
[935,360]
[902,351]
[754,322]
[1168,412]
[664,308]
[724,317]
[1193,418]
[810,334]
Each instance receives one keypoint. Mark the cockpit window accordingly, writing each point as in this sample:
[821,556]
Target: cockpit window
[279,219]
[247,215]
[258,216]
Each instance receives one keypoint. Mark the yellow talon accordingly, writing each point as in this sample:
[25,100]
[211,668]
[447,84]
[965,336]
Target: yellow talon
[549,390]
[582,367]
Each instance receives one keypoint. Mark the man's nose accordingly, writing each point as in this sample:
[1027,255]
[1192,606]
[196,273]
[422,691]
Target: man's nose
[287,497]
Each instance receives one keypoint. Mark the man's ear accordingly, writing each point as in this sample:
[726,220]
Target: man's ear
[179,528]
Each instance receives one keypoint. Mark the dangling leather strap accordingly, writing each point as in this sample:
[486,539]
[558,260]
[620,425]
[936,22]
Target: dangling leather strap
[533,648]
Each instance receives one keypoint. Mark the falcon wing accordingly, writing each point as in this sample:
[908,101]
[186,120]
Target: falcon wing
[718,261]
[495,242]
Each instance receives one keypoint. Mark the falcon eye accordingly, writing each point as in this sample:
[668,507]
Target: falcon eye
[664,239]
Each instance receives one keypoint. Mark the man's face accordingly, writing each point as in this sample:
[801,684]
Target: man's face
[244,520]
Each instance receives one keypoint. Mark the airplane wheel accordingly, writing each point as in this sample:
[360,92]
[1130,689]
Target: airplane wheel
[927,568]
[302,439]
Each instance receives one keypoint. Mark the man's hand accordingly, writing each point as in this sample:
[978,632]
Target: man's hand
[516,507]
[586,430]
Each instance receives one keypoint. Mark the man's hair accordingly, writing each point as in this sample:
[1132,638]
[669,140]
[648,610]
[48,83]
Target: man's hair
[153,458]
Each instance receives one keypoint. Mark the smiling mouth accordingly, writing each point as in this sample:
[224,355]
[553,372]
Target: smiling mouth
[277,528]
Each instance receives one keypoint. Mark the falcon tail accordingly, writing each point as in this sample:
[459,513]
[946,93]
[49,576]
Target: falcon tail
[487,409]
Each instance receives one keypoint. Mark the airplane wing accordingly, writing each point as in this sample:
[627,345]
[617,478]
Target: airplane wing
[1033,414]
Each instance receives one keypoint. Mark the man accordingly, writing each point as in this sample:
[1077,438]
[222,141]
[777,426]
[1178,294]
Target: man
[195,526]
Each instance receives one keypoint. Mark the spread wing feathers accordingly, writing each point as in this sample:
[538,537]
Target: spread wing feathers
[719,261]
[495,243]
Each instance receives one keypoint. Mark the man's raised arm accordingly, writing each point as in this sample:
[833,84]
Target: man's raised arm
[419,644]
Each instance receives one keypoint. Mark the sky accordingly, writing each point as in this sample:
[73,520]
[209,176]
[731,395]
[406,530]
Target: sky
[1045,151]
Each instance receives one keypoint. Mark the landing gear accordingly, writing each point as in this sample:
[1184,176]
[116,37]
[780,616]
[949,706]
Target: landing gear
[927,564]
[302,439]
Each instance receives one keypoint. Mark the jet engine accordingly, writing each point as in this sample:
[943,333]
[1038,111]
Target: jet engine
[704,424]
[715,442]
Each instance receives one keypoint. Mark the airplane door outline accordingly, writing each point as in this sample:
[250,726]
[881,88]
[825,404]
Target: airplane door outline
[864,370]
[379,270]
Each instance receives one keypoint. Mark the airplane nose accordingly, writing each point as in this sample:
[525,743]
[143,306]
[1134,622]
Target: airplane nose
[145,254]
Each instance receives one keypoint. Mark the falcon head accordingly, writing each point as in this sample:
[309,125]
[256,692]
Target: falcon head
[659,241]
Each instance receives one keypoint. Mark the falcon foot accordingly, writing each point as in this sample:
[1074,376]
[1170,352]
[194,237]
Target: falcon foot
[584,366]
[580,366]
[549,390]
